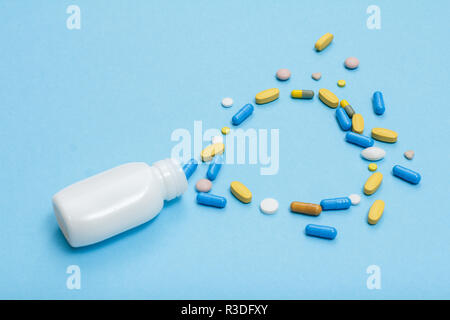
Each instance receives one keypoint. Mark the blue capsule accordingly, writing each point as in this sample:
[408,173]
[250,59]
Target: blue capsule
[343,119]
[211,200]
[336,203]
[214,168]
[406,174]
[359,139]
[190,167]
[242,114]
[378,103]
[316,230]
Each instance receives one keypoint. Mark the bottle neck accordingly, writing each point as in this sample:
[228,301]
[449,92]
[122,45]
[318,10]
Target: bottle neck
[172,177]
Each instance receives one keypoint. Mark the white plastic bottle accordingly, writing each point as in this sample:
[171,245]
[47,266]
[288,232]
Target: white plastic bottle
[116,200]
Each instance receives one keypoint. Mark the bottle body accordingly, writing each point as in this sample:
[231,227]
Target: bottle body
[116,200]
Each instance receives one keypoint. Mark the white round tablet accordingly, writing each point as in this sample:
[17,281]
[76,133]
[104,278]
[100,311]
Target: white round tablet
[269,206]
[217,139]
[355,199]
[227,102]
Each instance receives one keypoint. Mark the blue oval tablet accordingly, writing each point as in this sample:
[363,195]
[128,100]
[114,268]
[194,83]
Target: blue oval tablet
[214,168]
[211,200]
[359,139]
[406,174]
[316,230]
[343,119]
[336,203]
[378,103]
[242,114]
[190,167]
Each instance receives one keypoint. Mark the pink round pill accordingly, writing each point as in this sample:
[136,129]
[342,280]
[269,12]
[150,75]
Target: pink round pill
[351,63]
[203,185]
[283,74]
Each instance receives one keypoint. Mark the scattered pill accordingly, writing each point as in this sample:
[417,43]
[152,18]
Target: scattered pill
[311,209]
[325,232]
[329,98]
[242,114]
[324,41]
[348,108]
[217,139]
[316,76]
[269,206]
[241,192]
[225,130]
[267,96]
[351,63]
[373,167]
[373,183]
[409,154]
[384,135]
[212,150]
[355,199]
[203,185]
[373,153]
[343,119]
[359,139]
[357,123]
[335,203]
[211,200]
[283,74]
[214,168]
[375,212]
[227,102]
[406,174]
[302,94]
[378,103]
[190,167]
[341,83]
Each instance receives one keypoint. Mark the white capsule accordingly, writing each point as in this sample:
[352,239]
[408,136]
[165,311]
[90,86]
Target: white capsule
[217,139]
[269,206]
[227,102]
[373,153]
[355,199]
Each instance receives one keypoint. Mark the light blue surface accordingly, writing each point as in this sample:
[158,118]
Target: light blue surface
[76,102]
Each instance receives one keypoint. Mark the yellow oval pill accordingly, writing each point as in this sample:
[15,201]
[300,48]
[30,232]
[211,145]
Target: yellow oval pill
[373,166]
[357,123]
[373,183]
[384,135]
[225,130]
[376,211]
[210,151]
[324,41]
[329,98]
[267,96]
[241,192]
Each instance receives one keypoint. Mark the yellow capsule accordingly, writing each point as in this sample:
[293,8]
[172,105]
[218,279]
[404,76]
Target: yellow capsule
[375,212]
[373,166]
[267,96]
[357,123]
[384,135]
[329,98]
[225,130]
[241,192]
[324,41]
[212,150]
[344,103]
[341,83]
[373,183]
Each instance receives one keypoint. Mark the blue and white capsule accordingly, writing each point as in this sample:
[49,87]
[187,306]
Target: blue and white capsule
[319,231]
[359,139]
[343,119]
[406,174]
[378,103]
[211,200]
[242,114]
[214,168]
[336,203]
[190,167]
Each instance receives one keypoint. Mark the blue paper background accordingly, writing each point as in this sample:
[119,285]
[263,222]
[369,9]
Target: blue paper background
[76,102]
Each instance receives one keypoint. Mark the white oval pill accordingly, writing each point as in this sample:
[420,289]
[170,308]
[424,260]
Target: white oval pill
[355,199]
[227,102]
[373,153]
[217,139]
[269,206]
